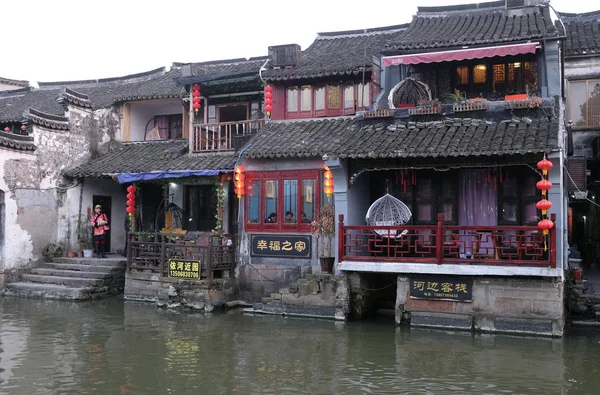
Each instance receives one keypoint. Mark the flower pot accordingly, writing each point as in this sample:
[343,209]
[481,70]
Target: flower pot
[70,254]
[88,253]
[327,264]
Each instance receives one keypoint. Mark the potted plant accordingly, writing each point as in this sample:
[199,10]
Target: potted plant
[324,228]
[85,236]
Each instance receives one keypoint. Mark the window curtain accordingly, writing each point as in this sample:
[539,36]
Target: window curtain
[477,203]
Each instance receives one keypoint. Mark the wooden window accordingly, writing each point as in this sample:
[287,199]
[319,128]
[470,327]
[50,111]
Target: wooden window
[199,209]
[287,201]
[306,98]
[292,99]
[462,75]
[363,96]
[168,127]
[320,98]
[584,103]
[480,74]
[349,97]
[517,196]
[333,97]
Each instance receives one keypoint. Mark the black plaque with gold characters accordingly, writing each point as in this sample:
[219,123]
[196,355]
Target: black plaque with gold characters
[442,288]
[293,246]
[186,269]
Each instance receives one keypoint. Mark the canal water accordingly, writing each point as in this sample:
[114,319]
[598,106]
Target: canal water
[116,347]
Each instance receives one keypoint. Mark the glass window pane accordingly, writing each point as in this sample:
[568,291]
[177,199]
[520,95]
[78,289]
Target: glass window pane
[577,99]
[515,78]
[530,213]
[271,191]
[305,98]
[480,74]
[509,210]
[349,96]
[448,210]
[462,75]
[320,98]
[253,196]
[308,201]
[292,99]
[333,96]
[531,78]
[593,103]
[424,212]
[290,201]
[364,95]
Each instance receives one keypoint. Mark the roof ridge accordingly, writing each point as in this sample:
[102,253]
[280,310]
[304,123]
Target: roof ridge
[486,6]
[10,81]
[124,79]
[362,32]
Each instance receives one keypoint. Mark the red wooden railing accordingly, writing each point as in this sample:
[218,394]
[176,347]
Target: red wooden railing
[471,245]
[219,136]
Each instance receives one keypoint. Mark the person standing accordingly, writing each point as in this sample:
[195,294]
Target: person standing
[99,223]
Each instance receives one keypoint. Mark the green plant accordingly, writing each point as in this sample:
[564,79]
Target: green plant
[324,228]
[428,103]
[51,251]
[457,97]
[85,235]
[220,192]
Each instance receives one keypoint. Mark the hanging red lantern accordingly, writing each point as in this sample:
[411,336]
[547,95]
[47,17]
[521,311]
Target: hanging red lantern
[196,87]
[131,189]
[268,102]
[268,109]
[196,93]
[268,89]
[130,210]
[238,181]
[543,205]
[328,182]
[196,97]
[544,165]
[23,127]
[7,129]
[545,225]
[196,107]
[543,185]
[130,203]
[131,196]
[268,96]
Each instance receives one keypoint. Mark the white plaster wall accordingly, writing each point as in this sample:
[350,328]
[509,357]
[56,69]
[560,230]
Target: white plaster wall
[142,112]
[18,246]
[582,67]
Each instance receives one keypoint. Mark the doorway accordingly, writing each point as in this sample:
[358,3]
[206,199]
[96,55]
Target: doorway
[106,203]
[233,112]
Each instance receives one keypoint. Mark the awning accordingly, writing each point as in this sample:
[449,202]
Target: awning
[460,54]
[158,175]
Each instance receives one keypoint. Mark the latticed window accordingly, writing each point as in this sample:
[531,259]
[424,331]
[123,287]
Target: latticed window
[584,103]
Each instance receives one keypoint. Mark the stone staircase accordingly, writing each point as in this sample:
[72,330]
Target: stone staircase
[71,279]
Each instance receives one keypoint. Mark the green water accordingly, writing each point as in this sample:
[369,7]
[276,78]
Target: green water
[116,347]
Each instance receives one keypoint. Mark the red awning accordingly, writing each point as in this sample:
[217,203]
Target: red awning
[460,54]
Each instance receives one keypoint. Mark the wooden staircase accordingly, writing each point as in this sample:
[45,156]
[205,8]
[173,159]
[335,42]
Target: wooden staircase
[71,279]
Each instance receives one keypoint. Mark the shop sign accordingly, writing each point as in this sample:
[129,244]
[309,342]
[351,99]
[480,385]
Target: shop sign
[291,246]
[442,288]
[186,269]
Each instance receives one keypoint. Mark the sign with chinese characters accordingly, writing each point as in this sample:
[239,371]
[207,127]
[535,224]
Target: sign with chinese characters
[442,288]
[296,246]
[181,268]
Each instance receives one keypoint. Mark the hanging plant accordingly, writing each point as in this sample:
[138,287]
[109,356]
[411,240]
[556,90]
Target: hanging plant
[220,193]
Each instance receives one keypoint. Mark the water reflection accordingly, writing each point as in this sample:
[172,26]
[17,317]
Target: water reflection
[111,347]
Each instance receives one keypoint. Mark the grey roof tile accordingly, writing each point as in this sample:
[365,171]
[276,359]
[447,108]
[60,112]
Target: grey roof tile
[583,33]
[16,142]
[389,138]
[151,156]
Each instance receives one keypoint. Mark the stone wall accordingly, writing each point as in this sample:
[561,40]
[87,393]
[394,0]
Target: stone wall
[175,293]
[512,305]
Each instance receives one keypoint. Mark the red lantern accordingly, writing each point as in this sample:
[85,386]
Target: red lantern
[196,94]
[328,183]
[268,108]
[545,225]
[196,107]
[543,185]
[131,189]
[268,96]
[131,196]
[543,205]
[196,88]
[239,181]
[7,129]
[130,210]
[545,165]
[268,89]
[196,100]
[130,203]
[23,127]
[268,102]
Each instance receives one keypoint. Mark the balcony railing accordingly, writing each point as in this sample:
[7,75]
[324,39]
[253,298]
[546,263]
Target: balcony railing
[151,252]
[469,245]
[219,136]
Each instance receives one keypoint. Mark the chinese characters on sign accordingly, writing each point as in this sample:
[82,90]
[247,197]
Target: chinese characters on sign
[293,246]
[179,268]
[441,288]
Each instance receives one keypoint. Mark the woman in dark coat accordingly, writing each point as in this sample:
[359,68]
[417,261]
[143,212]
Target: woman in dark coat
[99,223]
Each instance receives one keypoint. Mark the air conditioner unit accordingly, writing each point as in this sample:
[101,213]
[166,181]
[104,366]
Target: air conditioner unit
[285,55]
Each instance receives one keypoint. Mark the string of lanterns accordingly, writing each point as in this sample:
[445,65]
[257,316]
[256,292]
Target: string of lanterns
[131,203]
[268,100]
[544,205]
[238,181]
[196,97]
[328,183]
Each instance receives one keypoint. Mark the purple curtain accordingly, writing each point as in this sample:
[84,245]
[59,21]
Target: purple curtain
[477,200]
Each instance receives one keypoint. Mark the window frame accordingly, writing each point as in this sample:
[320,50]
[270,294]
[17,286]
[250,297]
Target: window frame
[587,124]
[170,118]
[326,111]
[520,198]
[280,176]
[211,204]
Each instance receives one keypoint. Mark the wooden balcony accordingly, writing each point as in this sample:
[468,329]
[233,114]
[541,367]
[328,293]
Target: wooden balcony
[466,245]
[211,137]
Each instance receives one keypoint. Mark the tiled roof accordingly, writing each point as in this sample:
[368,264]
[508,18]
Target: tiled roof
[151,156]
[475,24]
[47,120]
[19,83]
[339,53]
[13,104]
[155,84]
[16,142]
[583,33]
[390,138]
[220,69]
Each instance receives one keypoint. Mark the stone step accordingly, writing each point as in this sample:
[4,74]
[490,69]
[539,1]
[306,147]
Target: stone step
[109,261]
[46,291]
[70,273]
[82,268]
[67,281]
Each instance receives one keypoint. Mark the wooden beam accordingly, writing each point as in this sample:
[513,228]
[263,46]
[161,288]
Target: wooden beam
[127,122]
